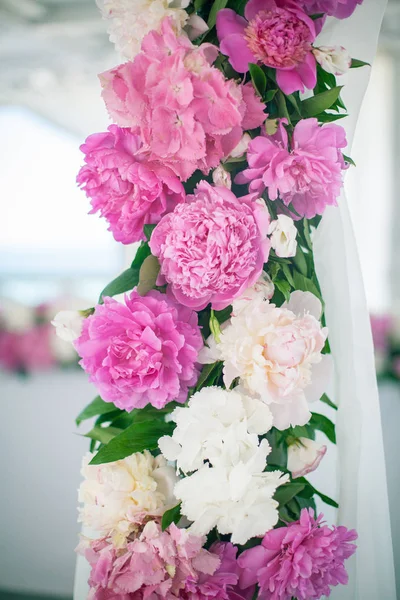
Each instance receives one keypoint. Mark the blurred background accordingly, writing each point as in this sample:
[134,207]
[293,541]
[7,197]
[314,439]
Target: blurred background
[52,256]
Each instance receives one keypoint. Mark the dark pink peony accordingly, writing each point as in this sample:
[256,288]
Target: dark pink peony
[124,187]
[341,9]
[165,565]
[303,560]
[275,33]
[141,351]
[307,175]
[187,114]
[213,247]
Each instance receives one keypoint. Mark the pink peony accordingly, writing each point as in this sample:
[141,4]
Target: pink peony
[143,351]
[308,175]
[381,326]
[275,33]
[303,560]
[126,189]
[27,351]
[213,247]
[187,114]
[341,9]
[169,565]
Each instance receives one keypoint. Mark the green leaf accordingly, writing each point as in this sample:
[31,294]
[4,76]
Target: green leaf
[288,274]
[356,64]
[349,160]
[316,105]
[214,327]
[282,106]
[95,408]
[325,425]
[148,230]
[270,95]
[305,285]
[284,287]
[310,490]
[136,438]
[209,375]
[123,283]
[330,117]
[300,261]
[224,314]
[328,401]
[286,492]
[141,254]
[295,104]
[258,78]
[173,515]
[218,5]
[103,434]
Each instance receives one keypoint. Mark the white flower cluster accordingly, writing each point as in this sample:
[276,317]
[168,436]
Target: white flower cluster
[131,20]
[116,495]
[216,440]
[276,353]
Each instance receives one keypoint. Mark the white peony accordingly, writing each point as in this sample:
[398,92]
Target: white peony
[283,234]
[304,456]
[241,148]
[221,426]
[333,59]
[276,353]
[115,496]
[68,324]
[236,500]
[131,20]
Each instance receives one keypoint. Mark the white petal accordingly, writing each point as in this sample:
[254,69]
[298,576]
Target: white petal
[301,303]
[321,376]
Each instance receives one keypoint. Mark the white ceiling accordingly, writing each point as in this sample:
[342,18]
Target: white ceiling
[51,51]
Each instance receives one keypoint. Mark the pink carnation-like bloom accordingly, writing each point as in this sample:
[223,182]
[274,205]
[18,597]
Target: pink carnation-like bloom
[303,560]
[141,351]
[126,189]
[169,565]
[187,114]
[213,247]
[275,33]
[341,9]
[308,174]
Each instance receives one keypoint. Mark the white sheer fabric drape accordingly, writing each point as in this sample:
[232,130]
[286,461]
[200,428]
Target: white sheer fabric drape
[362,477]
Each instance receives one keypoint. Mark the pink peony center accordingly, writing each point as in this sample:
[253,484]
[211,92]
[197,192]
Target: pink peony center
[278,38]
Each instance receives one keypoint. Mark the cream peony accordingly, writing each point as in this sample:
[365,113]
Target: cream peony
[236,500]
[131,20]
[118,495]
[283,234]
[220,426]
[222,177]
[68,324]
[304,456]
[333,59]
[276,353]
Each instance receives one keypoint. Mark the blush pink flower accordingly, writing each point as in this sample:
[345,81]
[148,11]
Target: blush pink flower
[141,351]
[381,326]
[303,560]
[213,247]
[307,175]
[124,187]
[169,565]
[341,9]
[274,33]
[27,351]
[187,114]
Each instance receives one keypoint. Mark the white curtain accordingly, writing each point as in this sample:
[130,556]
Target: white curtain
[362,476]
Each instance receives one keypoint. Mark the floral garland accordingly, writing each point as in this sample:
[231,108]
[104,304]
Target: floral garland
[207,368]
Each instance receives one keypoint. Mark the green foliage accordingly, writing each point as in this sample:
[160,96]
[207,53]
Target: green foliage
[137,437]
[103,434]
[95,408]
[173,515]
[356,64]
[218,5]
[129,278]
[328,401]
[209,375]
[214,327]
[314,106]
[305,284]
[322,423]
[258,78]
